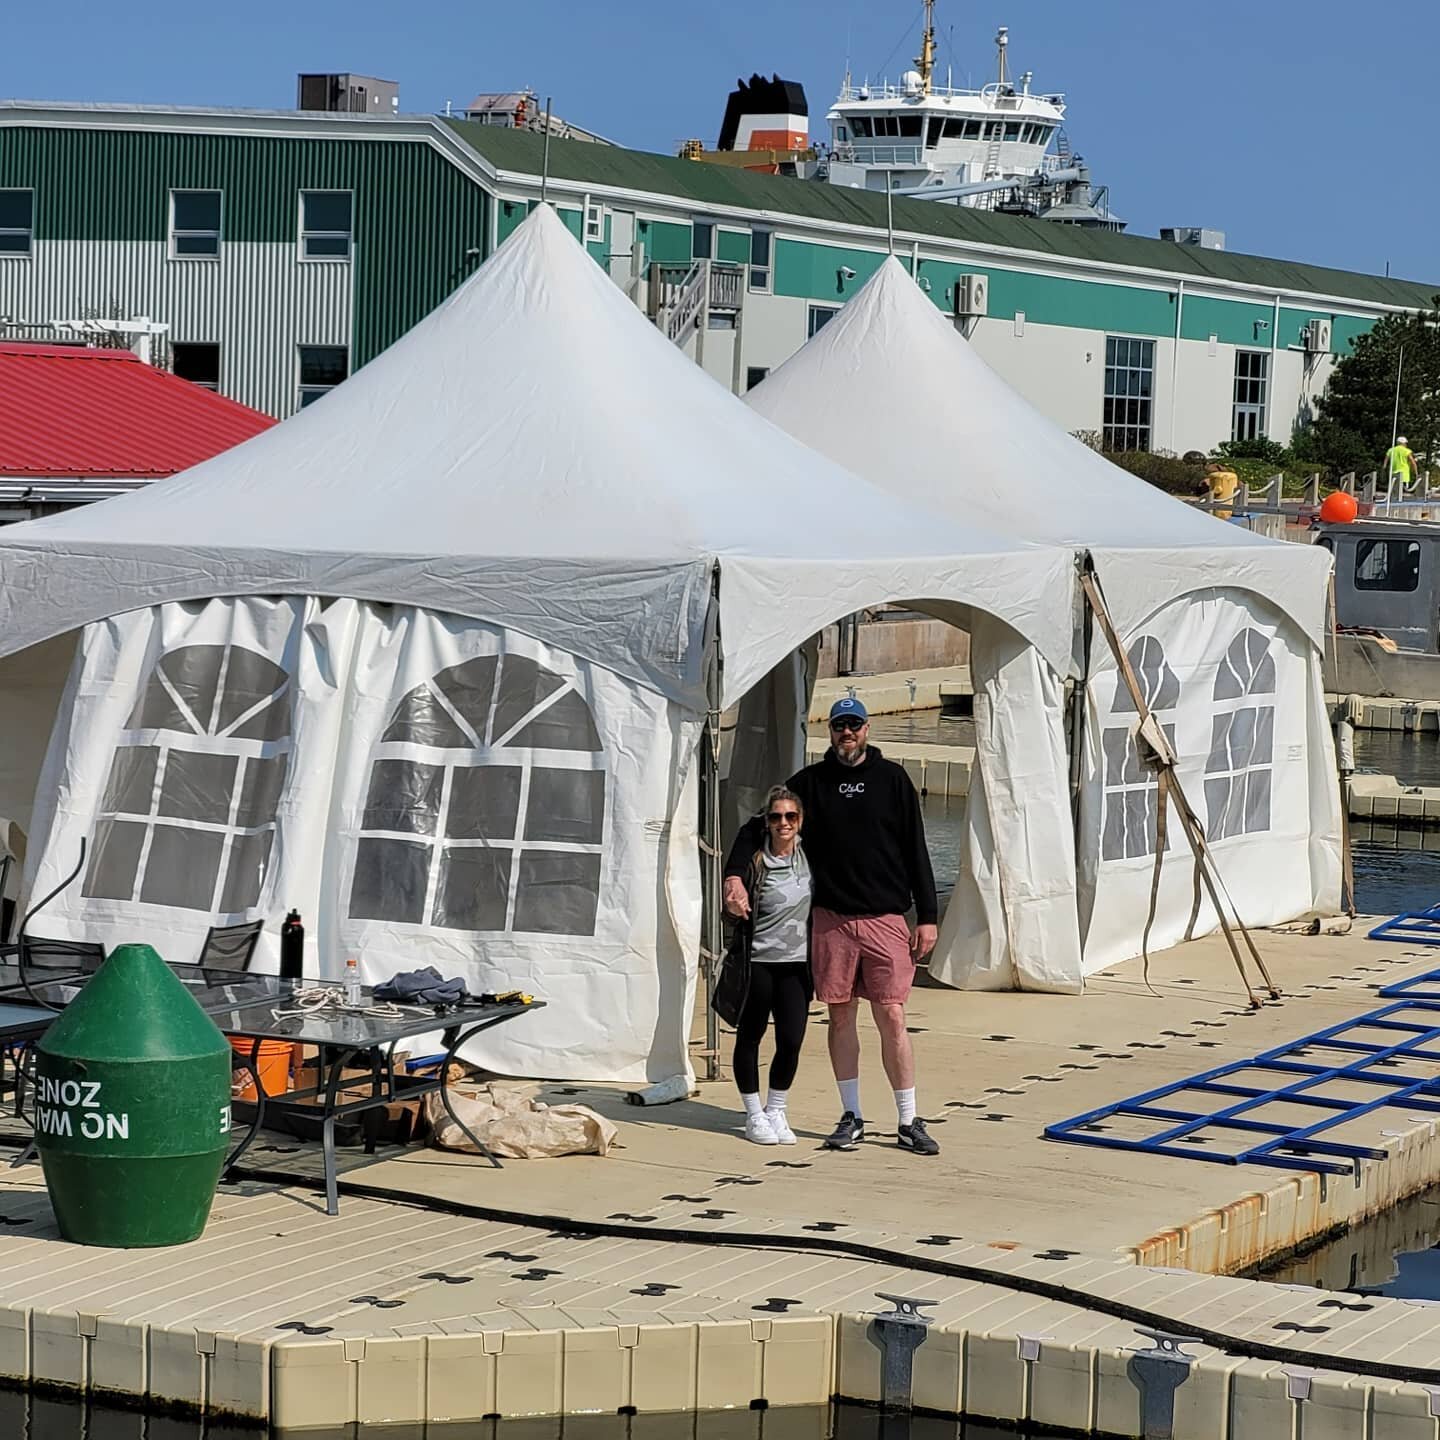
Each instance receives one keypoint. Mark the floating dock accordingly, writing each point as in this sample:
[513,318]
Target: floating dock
[720,1275]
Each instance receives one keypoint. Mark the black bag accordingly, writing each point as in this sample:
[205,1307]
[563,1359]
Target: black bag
[732,988]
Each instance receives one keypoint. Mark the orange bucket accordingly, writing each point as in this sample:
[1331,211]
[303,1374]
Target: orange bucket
[273,1062]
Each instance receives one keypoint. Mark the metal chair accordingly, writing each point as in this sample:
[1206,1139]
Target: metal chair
[72,956]
[230,947]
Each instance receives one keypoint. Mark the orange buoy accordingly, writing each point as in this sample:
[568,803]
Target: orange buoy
[1338,508]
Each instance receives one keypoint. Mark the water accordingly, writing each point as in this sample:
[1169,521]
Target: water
[25,1417]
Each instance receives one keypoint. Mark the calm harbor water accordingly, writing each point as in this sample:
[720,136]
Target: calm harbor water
[45,1419]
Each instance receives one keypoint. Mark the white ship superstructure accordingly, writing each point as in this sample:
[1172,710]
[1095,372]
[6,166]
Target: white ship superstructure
[990,147]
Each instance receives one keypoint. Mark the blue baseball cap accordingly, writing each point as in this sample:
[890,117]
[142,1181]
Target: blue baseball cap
[848,706]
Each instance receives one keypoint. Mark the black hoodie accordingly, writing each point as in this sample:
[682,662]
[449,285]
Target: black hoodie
[864,838]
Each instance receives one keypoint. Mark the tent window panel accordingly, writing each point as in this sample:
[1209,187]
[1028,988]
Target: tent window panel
[182,867]
[405,796]
[131,786]
[422,720]
[1247,669]
[249,855]
[470,688]
[484,802]
[114,860]
[474,888]
[1157,682]
[1118,756]
[198,786]
[558,893]
[390,880]
[523,685]
[189,676]
[565,725]
[1257,801]
[566,806]
[260,790]
[251,680]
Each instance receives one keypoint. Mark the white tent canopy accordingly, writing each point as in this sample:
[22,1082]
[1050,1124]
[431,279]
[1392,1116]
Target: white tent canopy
[1232,622]
[480,755]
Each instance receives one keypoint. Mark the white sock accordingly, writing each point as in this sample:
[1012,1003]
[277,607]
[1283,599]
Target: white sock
[775,1105]
[752,1104]
[850,1095]
[905,1104]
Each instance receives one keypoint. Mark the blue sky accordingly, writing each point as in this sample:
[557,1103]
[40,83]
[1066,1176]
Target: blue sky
[1299,129]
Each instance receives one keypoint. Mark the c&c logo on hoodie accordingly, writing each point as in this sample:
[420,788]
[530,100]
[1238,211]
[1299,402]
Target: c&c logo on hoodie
[849,791]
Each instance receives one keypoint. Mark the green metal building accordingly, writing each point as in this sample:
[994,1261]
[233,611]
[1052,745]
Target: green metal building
[284,250]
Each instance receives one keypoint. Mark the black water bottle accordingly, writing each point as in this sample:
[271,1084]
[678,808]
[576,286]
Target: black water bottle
[292,947]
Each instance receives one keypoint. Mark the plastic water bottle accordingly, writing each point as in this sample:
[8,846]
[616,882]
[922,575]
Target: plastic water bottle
[352,982]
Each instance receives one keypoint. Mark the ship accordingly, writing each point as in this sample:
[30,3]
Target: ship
[1002,147]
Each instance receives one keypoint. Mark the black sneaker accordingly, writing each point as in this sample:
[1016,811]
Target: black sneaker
[916,1137]
[848,1134]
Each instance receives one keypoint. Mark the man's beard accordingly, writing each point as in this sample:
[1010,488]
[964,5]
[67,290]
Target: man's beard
[852,760]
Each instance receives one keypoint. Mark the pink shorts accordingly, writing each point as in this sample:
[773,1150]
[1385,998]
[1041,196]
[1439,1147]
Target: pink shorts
[861,957]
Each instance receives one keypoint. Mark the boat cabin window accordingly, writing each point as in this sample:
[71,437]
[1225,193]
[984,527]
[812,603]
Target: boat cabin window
[973,129]
[910,126]
[932,138]
[860,124]
[993,129]
[1387,565]
[1012,129]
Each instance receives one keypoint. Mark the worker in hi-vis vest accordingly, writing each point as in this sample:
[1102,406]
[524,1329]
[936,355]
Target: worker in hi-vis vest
[1400,462]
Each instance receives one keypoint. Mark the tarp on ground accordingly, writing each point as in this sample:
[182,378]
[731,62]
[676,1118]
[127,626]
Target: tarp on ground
[890,387]
[427,660]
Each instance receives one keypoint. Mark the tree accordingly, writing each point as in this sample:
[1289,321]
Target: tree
[1355,417]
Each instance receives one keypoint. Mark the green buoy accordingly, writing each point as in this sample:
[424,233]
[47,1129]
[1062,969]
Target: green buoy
[132,1107]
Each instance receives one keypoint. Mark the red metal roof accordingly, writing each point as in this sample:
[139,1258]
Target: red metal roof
[70,411]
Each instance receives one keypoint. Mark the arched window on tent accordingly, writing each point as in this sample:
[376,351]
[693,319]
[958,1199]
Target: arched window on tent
[1130,786]
[1242,740]
[486,806]
[188,815]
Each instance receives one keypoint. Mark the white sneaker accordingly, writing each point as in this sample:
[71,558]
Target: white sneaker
[784,1135]
[758,1129]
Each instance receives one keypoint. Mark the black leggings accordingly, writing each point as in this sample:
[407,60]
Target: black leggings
[784,992]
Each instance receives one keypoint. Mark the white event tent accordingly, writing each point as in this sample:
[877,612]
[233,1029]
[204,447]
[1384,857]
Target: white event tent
[432,660]
[1225,630]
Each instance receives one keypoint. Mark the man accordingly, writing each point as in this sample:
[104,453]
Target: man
[1221,483]
[1400,462]
[865,841]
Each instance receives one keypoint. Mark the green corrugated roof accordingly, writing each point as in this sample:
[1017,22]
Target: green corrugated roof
[704,185]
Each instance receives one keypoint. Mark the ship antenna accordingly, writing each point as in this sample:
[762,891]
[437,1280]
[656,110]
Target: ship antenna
[925,60]
[1002,41]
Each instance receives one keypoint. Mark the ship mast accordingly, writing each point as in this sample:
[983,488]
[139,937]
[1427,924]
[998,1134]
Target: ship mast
[925,60]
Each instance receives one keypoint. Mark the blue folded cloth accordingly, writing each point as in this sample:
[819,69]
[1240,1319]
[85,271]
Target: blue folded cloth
[422,987]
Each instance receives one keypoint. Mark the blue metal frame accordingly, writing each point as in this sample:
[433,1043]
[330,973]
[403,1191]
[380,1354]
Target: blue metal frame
[1411,927]
[1288,1146]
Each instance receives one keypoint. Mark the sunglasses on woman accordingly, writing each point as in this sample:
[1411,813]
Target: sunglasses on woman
[784,817]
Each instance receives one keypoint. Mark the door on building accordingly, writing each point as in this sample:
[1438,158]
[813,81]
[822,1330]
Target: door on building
[624,262]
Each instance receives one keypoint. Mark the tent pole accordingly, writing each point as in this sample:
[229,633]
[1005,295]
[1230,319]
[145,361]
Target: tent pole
[1079,697]
[712,942]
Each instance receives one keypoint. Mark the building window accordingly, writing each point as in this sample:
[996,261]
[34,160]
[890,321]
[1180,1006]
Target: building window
[702,240]
[327,222]
[754,374]
[1242,741]
[1252,374]
[17,222]
[486,808]
[594,223]
[188,815]
[1131,791]
[322,368]
[1129,393]
[199,364]
[195,224]
[819,317]
[761,246]
[1387,565]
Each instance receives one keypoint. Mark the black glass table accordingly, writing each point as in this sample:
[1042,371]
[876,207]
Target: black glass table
[265,1007]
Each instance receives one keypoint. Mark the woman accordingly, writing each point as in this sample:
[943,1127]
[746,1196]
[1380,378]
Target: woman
[772,944]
